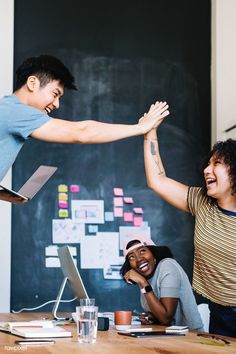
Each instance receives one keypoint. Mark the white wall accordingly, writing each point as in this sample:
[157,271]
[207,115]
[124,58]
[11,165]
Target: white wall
[223,69]
[6,75]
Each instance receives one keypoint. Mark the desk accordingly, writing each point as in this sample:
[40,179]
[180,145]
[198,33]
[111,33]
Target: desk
[109,342]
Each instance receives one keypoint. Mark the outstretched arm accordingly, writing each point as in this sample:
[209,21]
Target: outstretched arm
[170,190]
[92,132]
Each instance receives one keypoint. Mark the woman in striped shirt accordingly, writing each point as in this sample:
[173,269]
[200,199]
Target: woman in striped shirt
[214,208]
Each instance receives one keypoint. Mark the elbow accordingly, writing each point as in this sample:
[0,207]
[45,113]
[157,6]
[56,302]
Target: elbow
[83,132]
[150,185]
[166,322]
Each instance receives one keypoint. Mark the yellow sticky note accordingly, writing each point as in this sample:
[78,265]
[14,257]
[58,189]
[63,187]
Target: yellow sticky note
[62,188]
[63,213]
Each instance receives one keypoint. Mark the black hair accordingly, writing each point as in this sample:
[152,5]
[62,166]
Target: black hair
[159,253]
[46,68]
[225,151]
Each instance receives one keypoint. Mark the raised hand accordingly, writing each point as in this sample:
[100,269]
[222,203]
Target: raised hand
[154,117]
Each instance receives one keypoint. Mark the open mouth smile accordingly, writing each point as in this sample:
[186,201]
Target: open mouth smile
[210,181]
[143,266]
[48,110]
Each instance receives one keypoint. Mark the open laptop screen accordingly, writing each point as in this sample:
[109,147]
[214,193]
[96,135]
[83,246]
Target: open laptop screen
[31,186]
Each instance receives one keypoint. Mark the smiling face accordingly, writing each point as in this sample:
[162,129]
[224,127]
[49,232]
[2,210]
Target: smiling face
[217,179]
[142,261]
[45,98]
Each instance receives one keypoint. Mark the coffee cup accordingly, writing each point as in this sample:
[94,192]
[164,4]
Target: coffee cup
[122,320]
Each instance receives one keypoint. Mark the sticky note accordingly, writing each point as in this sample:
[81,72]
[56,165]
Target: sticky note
[74,188]
[93,228]
[118,212]
[62,188]
[109,216]
[128,200]
[138,220]
[118,192]
[63,213]
[138,210]
[118,201]
[128,217]
[63,204]
[62,196]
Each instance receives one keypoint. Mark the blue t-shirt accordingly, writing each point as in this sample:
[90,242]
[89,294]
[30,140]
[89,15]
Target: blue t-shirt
[17,122]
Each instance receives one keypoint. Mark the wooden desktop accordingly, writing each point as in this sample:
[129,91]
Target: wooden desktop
[109,342]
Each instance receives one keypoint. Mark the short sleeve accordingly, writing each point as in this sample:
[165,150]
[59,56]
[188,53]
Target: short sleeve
[26,119]
[170,279]
[194,198]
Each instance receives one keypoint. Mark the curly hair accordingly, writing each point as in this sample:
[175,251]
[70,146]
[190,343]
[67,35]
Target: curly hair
[225,151]
[159,253]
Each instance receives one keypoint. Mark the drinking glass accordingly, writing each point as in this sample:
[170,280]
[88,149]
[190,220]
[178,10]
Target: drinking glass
[87,323]
[87,302]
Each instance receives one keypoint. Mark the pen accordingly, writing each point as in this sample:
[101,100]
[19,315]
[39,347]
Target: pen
[33,341]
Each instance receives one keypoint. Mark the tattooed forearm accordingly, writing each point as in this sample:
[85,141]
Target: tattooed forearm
[155,158]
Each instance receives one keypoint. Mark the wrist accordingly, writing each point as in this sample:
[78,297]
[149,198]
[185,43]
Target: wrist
[151,135]
[140,129]
[146,289]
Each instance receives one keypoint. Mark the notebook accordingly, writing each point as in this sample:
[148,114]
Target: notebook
[31,332]
[33,184]
[35,329]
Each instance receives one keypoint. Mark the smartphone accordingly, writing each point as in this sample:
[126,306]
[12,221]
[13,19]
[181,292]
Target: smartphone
[143,334]
[34,341]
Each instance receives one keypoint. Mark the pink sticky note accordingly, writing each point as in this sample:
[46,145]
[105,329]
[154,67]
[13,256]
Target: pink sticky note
[118,191]
[128,200]
[138,220]
[138,210]
[63,204]
[118,201]
[128,217]
[118,212]
[74,188]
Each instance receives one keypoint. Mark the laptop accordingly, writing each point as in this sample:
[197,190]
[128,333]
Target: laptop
[32,185]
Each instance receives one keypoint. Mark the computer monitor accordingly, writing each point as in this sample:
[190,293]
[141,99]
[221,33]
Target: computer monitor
[72,276]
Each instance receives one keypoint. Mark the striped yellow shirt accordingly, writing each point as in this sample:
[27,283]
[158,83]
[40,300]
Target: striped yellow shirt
[214,272]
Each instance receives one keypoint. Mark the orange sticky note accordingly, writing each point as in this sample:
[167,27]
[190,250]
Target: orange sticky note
[63,196]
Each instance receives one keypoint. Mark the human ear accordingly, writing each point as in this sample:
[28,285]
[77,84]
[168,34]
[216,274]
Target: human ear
[32,83]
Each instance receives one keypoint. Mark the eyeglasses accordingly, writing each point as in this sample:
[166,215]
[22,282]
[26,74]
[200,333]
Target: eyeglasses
[212,339]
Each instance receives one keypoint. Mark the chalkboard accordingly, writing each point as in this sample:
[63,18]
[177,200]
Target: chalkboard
[116,88]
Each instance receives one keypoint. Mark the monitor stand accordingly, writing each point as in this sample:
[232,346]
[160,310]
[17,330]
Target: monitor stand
[57,302]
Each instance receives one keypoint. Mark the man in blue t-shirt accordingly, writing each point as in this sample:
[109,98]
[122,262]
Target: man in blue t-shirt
[40,83]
